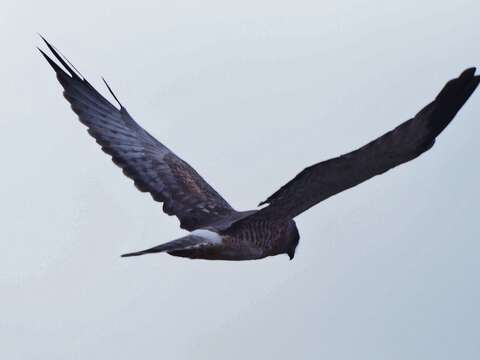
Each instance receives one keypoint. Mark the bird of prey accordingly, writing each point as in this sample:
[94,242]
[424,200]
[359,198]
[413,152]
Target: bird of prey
[216,230]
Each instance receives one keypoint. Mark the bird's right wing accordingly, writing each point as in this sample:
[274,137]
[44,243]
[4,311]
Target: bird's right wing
[151,165]
[415,136]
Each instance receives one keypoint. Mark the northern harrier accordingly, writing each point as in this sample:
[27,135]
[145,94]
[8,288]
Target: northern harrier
[217,231]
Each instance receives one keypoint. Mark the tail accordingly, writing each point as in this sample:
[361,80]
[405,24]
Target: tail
[184,243]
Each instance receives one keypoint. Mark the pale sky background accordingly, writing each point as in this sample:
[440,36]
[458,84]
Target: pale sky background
[249,93]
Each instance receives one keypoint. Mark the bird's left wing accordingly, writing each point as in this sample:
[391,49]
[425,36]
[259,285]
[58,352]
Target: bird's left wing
[152,166]
[415,136]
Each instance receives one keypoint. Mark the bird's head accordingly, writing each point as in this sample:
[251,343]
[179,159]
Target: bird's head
[293,237]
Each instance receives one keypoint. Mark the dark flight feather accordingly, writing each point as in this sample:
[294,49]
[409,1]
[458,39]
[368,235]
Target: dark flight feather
[409,140]
[151,165]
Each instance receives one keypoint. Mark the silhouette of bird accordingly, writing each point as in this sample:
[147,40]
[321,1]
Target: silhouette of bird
[216,230]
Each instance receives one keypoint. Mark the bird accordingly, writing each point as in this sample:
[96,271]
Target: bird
[216,231]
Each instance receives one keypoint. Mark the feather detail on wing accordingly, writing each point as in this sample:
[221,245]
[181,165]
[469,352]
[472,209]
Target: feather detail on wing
[151,165]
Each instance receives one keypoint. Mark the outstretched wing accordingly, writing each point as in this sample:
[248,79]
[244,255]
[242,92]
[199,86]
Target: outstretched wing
[151,165]
[415,136]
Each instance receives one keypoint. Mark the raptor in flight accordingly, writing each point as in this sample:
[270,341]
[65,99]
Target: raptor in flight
[216,230]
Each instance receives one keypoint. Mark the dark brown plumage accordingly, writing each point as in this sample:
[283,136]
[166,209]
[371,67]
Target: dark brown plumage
[217,231]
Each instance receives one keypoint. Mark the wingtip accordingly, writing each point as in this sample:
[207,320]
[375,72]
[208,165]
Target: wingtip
[62,59]
[50,46]
[52,63]
[43,38]
[469,72]
[111,92]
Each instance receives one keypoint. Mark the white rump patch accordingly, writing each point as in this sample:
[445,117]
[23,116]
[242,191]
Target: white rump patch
[209,235]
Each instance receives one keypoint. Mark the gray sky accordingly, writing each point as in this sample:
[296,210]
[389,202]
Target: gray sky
[249,93]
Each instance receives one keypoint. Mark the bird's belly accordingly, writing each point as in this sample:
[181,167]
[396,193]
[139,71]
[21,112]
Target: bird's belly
[234,247]
[221,253]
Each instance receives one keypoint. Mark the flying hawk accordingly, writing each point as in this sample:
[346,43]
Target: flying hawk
[216,230]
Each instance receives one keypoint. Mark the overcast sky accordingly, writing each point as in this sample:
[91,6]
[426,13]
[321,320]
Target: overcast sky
[249,93]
